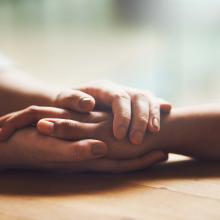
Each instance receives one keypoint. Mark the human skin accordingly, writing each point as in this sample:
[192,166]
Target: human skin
[71,126]
[191,131]
[28,149]
[135,111]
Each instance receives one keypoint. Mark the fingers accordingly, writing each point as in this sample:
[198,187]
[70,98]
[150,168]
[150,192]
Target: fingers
[126,102]
[66,129]
[154,114]
[87,150]
[11,122]
[119,166]
[145,114]
[20,119]
[114,97]
[140,117]
[137,111]
[121,107]
[67,152]
[132,108]
[75,100]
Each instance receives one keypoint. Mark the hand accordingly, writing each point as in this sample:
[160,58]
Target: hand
[82,150]
[145,109]
[98,126]
[70,125]
[27,149]
[29,116]
[134,110]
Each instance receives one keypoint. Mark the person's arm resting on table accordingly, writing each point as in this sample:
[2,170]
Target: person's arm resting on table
[27,148]
[191,131]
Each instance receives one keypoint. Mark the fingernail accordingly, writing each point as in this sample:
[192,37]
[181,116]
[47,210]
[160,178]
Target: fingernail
[121,132]
[46,127]
[156,124]
[85,102]
[99,149]
[137,137]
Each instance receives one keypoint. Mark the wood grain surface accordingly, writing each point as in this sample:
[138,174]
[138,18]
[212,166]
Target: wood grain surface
[179,189]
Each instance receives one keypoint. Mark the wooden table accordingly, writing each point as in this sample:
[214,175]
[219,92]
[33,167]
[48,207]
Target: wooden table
[179,189]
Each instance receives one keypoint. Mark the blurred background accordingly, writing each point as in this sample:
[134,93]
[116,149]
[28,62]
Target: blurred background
[171,47]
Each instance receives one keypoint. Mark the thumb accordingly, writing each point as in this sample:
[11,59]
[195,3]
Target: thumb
[75,100]
[88,149]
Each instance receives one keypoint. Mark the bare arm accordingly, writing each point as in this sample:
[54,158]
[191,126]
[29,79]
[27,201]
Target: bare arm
[18,90]
[192,131]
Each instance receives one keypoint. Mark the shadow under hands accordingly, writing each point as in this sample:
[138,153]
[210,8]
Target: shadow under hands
[29,183]
[183,169]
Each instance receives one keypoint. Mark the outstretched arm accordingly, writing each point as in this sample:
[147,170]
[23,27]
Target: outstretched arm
[192,131]
[18,91]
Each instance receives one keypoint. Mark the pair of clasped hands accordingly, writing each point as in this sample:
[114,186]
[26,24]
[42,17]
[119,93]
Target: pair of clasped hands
[101,127]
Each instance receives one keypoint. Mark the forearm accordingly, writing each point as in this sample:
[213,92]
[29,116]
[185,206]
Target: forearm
[18,91]
[192,131]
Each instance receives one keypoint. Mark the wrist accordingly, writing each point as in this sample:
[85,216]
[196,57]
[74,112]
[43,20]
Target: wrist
[168,135]
[49,97]
[171,133]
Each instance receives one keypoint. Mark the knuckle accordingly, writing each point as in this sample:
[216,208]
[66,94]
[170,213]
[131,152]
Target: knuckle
[155,110]
[124,119]
[68,96]
[71,98]
[65,127]
[139,96]
[69,124]
[59,98]
[33,109]
[121,96]
[142,119]
[60,95]
[78,152]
